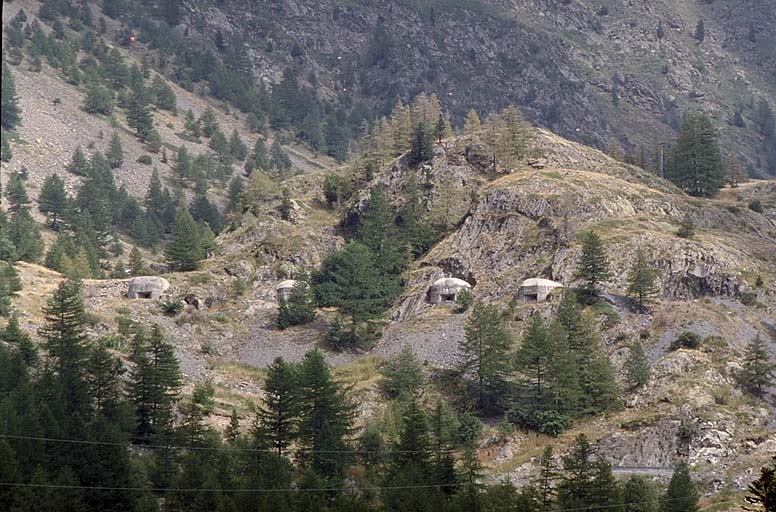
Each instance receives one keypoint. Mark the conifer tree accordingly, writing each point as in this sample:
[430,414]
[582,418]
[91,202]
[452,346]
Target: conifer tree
[422,148]
[136,266]
[762,492]
[232,431]
[575,490]
[636,367]
[13,334]
[64,335]
[758,371]
[6,154]
[736,174]
[681,495]
[545,483]
[115,153]
[139,113]
[277,418]
[208,122]
[533,358]
[325,418]
[103,376]
[402,375]
[484,354]
[700,30]
[565,382]
[78,165]
[24,235]
[98,100]
[642,280]
[593,266]
[53,200]
[639,494]
[16,193]
[471,125]
[10,112]
[686,227]
[694,163]
[237,146]
[164,97]
[300,307]
[440,128]
[184,251]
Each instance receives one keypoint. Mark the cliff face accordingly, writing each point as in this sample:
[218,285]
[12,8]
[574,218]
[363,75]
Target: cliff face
[588,72]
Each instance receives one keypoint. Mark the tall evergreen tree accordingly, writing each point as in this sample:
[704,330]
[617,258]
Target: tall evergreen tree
[762,492]
[64,335]
[758,370]
[184,251]
[16,193]
[53,200]
[576,489]
[115,153]
[325,418]
[24,235]
[484,354]
[695,163]
[639,494]
[300,307]
[681,495]
[546,481]
[641,280]
[422,148]
[277,418]
[593,266]
[636,366]
[10,112]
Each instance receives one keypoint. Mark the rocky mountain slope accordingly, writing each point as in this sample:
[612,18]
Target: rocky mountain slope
[500,228]
[589,71]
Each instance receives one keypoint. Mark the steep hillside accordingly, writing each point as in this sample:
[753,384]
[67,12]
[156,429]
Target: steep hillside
[588,71]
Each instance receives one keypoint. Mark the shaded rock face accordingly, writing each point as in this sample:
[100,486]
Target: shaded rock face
[649,446]
[690,273]
[147,287]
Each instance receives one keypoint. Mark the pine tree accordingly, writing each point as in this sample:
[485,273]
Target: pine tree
[402,375]
[184,251]
[606,492]
[593,266]
[13,334]
[300,307]
[237,147]
[277,419]
[64,335]
[103,376]
[639,494]
[24,235]
[641,280]
[484,354]
[440,128]
[115,154]
[757,372]
[53,200]
[164,96]
[762,492]
[545,483]
[567,386]
[136,266]
[533,359]
[16,193]
[325,417]
[98,100]
[422,147]
[208,122]
[10,112]
[687,227]
[681,495]
[155,382]
[78,165]
[232,431]
[575,490]
[636,367]
[6,154]
[139,113]
[695,164]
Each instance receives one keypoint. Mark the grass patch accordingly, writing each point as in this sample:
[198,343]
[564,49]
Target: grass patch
[361,373]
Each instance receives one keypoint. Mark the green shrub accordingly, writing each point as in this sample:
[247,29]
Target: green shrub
[464,300]
[172,306]
[756,206]
[748,298]
[552,423]
[758,282]
[686,340]
[145,160]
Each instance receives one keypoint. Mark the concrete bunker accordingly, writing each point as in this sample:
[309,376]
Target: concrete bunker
[446,289]
[537,289]
[147,287]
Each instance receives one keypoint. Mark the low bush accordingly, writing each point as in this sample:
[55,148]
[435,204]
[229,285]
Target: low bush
[686,340]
